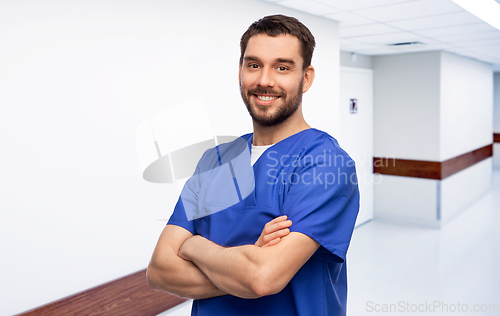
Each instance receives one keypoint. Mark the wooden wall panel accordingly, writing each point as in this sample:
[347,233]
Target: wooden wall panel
[430,169]
[407,168]
[459,163]
[496,138]
[129,295]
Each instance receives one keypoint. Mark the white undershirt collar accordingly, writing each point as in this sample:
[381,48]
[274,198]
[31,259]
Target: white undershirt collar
[257,151]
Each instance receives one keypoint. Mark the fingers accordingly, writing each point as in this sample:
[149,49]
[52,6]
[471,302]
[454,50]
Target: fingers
[277,219]
[275,235]
[274,226]
[273,231]
[272,242]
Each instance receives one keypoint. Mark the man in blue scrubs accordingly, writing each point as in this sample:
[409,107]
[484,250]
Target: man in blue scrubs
[231,262]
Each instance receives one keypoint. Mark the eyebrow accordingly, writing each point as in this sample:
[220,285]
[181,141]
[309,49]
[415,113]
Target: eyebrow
[285,60]
[280,60]
[251,58]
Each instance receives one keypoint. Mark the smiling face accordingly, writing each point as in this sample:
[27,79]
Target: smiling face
[272,79]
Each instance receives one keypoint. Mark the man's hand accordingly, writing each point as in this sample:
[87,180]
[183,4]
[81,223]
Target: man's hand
[273,232]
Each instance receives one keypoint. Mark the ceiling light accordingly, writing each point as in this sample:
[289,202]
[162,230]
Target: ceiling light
[486,10]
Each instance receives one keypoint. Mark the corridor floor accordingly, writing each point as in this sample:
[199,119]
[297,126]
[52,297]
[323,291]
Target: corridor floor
[407,270]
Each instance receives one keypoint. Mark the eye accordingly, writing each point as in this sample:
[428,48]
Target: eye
[282,68]
[254,66]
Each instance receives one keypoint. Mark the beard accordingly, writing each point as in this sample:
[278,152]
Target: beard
[260,113]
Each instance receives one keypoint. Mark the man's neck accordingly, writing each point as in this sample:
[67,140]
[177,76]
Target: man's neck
[268,135]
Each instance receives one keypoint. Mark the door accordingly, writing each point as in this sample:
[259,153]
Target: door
[356,131]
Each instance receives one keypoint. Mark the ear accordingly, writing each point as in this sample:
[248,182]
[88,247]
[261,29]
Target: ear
[239,73]
[308,78]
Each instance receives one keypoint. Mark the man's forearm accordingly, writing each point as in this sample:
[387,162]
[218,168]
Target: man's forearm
[169,272]
[172,274]
[234,270]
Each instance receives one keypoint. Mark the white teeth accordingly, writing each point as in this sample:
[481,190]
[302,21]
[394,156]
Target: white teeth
[266,98]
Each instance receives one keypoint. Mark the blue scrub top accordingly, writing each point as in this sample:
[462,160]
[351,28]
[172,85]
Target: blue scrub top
[309,178]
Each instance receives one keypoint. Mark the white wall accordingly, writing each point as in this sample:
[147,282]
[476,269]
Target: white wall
[76,80]
[496,100]
[465,120]
[407,200]
[406,126]
[496,118]
[406,106]
[431,106]
[461,190]
[360,61]
[465,124]
[496,155]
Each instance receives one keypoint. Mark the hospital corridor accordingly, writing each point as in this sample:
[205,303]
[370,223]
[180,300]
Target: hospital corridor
[119,117]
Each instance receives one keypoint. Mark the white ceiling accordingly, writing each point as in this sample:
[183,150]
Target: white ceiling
[368,26]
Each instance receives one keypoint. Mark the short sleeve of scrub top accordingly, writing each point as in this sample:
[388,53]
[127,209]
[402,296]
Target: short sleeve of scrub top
[189,193]
[321,197]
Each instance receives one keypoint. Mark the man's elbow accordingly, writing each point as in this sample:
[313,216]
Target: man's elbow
[260,289]
[151,278]
[155,275]
[156,282]
[265,282]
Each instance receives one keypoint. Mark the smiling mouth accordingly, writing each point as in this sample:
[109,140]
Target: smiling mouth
[265,100]
[266,97]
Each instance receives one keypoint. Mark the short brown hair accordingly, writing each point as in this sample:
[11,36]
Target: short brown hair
[274,25]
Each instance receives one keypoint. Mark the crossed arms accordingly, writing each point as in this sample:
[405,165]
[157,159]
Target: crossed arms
[194,267]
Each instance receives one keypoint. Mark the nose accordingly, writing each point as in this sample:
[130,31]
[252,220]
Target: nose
[266,78]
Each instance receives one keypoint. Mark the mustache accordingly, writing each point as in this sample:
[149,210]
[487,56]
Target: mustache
[259,90]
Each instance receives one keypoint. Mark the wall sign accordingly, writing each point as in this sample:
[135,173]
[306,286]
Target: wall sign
[353,106]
